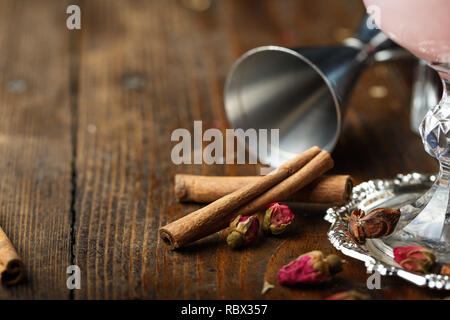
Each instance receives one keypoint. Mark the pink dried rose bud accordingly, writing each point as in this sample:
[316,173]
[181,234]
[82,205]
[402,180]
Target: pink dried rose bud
[348,295]
[277,219]
[415,259]
[310,268]
[243,231]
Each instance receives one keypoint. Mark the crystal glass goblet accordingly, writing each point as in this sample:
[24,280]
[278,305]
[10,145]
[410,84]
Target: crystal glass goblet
[423,28]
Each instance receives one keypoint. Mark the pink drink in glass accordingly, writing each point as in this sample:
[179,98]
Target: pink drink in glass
[421,26]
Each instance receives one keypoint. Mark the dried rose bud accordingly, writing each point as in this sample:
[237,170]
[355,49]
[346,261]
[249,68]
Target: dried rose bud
[445,270]
[310,268]
[278,218]
[349,295]
[415,259]
[377,223]
[243,231]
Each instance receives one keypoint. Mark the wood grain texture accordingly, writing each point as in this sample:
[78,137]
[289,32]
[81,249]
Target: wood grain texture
[94,110]
[150,67]
[35,144]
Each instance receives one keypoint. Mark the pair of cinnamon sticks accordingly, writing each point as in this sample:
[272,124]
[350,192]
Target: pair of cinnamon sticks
[253,196]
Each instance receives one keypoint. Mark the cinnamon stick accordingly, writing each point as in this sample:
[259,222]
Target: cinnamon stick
[330,190]
[281,183]
[12,268]
[310,172]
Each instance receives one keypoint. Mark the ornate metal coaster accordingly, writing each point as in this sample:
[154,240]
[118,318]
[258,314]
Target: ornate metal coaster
[377,255]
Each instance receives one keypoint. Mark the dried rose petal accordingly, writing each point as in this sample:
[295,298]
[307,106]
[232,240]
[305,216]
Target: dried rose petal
[244,230]
[415,259]
[348,295]
[278,218]
[309,268]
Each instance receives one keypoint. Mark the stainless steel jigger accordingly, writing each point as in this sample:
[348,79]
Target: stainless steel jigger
[302,92]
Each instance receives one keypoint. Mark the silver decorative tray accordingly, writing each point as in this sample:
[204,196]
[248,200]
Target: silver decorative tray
[376,255]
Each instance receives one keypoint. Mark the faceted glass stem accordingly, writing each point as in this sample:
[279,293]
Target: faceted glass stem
[426,222]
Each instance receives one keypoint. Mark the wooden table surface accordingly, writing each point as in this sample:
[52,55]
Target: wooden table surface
[86,176]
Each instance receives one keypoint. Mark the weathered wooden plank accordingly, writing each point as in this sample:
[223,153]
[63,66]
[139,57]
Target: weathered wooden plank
[142,76]
[149,67]
[35,143]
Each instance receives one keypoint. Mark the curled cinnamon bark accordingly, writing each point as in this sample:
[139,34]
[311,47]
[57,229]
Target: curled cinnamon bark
[12,268]
[329,190]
